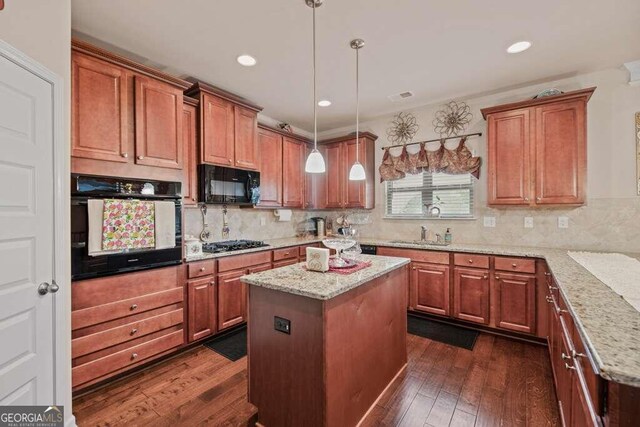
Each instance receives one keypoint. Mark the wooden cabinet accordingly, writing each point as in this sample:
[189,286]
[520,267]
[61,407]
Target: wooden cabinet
[338,191]
[271,170]
[293,178]
[315,184]
[429,288]
[515,301]
[228,128]
[190,152]
[232,295]
[471,295]
[99,121]
[202,314]
[158,117]
[537,151]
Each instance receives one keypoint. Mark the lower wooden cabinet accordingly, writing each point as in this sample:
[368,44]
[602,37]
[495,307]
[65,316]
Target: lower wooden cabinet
[429,288]
[232,297]
[515,301]
[471,295]
[202,314]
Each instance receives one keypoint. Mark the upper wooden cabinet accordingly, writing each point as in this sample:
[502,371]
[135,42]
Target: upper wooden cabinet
[99,110]
[340,154]
[270,145]
[158,114]
[229,128]
[293,173]
[537,151]
[126,118]
[190,151]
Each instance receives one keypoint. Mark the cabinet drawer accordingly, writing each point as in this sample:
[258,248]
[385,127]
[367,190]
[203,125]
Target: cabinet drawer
[285,253]
[121,359]
[238,262]
[417,255]
[284,263]
[471,260]
[201,268]
[302,250]
[522,265]
[103,313]
[94,342]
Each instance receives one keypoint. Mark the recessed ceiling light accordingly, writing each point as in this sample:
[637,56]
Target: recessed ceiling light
[324,103]
[518,47]
[247,60]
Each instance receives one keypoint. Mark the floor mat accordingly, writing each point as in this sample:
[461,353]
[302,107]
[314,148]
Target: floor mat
[233,346]
[445,333]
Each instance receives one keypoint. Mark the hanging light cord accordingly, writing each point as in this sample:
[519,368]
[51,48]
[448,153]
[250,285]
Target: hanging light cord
[357,105]
[315,107]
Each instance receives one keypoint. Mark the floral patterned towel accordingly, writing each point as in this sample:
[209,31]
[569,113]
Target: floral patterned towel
[128,224]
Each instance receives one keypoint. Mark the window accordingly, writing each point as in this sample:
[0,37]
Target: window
[408,197]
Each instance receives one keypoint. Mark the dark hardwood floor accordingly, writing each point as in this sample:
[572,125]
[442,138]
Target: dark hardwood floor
[501,382]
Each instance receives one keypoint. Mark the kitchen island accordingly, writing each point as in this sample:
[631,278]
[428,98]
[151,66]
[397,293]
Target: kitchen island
[322,347]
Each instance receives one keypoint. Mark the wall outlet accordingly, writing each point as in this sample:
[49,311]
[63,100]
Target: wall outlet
[563,222]
[489,221]
[528,222]
[263,221]
[282,325]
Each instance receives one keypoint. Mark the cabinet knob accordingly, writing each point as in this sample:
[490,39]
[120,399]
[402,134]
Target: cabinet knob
[193,198]
[125,155]
[497,277]
[526,199]
[202,268]
[567,366]
[470,261]
[134,356]
[134,306]
[212,283]
[565,356]
[546,273]
[140,157]
[485,277]
[413,268]
[229,160]
[134,331]
[575,354]
[549,299]
[286,253]
[514,265]
[553,288]
[538,199]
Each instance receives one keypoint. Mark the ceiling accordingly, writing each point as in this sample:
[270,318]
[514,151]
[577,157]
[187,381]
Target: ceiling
[436,49]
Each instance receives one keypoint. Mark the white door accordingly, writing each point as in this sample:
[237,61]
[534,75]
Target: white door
[26,237]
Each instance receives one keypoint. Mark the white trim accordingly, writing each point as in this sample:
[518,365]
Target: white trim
[61,269]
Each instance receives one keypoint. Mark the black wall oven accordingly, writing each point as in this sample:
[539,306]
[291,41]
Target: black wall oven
[83,188]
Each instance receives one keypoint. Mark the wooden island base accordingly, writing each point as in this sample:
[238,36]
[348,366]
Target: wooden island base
[340,355]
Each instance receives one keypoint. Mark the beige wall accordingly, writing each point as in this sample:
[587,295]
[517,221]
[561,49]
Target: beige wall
[611,218]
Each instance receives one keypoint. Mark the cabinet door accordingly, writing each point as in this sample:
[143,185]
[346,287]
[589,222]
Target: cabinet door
[293,173]
[429,291]
[354,191]
[202,313]
[158,114]
[582,411]
[270,168]
[471,295]
[232,296]
[564,375]
[99,121]
[509,153]
[316,191]
[218,129]
[190,155]
[335,175]
[310,182]
[515,302]
[560,153]
[247,153]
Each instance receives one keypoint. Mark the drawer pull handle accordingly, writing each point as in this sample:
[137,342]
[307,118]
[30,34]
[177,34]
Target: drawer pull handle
[567,366]
[565,356]
[134,306]
[497,277]
[286,253]
[575,354]
[549,299]
[485,277]
[134,331]
[134,356]
[514,265]
[470,261]
[547,274]
[202,268]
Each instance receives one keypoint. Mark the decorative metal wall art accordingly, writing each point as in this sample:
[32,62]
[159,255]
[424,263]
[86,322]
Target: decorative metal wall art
[452,119]
[403,128]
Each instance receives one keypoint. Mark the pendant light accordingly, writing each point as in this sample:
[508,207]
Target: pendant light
[315,162]
[357,170]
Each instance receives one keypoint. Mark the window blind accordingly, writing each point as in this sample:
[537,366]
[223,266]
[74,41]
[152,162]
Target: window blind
[407,197]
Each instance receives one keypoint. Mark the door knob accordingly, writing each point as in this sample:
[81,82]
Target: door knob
[45,288]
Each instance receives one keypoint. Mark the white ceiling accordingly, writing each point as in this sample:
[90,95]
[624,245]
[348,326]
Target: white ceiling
[437,49]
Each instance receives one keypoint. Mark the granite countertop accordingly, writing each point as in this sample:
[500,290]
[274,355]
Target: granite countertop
[608,325]
[295,279]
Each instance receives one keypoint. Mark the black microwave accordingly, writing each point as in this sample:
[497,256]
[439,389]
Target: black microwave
[221,185]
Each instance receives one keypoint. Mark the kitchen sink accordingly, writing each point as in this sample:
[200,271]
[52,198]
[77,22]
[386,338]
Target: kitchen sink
[420,242]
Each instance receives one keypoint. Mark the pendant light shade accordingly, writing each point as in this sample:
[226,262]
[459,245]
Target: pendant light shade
[315,162]
[357,173]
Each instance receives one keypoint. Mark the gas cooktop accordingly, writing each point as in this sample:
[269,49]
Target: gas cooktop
[232,245]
